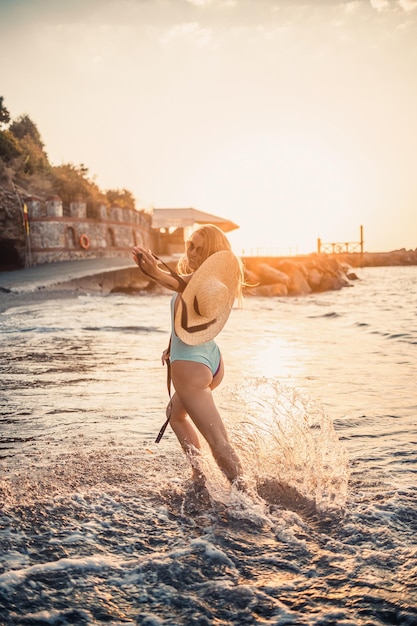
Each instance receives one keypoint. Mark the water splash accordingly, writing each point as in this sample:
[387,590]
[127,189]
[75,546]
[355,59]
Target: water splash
[288,445]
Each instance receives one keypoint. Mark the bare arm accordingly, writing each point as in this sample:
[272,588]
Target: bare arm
[147,262]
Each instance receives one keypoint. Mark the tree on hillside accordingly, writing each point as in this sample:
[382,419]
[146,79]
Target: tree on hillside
[4,113]
[120,197]
[23,160]
[34,159]
[23,127]
[71,182]
[9,146]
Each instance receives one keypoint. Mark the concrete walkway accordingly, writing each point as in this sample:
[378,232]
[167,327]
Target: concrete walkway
[50,274]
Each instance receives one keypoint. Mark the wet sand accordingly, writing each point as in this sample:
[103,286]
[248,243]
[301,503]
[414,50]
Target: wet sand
[14,299]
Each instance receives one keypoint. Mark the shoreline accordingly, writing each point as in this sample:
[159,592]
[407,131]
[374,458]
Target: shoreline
[13,299]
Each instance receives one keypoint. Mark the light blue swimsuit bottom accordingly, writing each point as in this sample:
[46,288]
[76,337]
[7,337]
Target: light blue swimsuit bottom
[206,353]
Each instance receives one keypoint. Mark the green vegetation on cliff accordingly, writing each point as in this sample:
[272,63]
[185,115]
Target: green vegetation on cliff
[24,162]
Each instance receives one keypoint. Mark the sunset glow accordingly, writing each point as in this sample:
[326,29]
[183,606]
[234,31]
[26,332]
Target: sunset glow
[296,120]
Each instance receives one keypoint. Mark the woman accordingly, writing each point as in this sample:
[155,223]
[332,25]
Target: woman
[211,277]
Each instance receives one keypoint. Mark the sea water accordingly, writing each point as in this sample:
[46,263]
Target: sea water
[98,523]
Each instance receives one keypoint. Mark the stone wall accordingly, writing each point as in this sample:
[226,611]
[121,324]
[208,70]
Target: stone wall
[55,237]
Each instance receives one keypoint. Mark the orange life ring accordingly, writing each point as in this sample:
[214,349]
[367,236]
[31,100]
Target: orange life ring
[84,241]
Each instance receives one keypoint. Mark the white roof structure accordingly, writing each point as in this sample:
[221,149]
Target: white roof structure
[181,218]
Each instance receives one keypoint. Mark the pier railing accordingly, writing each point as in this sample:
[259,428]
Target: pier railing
[339,247]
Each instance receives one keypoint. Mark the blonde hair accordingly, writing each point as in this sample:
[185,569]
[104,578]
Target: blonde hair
[214,240]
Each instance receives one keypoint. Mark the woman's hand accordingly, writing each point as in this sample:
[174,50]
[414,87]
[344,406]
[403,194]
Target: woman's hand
[144,259]
[148,263]
[165,356]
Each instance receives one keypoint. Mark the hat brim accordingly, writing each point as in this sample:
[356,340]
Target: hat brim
[190,326]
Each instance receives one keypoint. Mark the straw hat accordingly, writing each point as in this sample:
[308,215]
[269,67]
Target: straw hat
[205,305]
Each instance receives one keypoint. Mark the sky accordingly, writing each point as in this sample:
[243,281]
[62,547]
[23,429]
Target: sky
[296,119]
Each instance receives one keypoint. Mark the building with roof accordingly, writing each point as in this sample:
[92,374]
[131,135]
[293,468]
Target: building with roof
[35,231]
[172,227]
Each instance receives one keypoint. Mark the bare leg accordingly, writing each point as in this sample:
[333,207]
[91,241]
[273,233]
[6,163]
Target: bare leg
[187,436]
[194,383]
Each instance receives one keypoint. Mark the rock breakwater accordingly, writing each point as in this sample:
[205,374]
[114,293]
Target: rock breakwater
[267,277]
[296,276]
